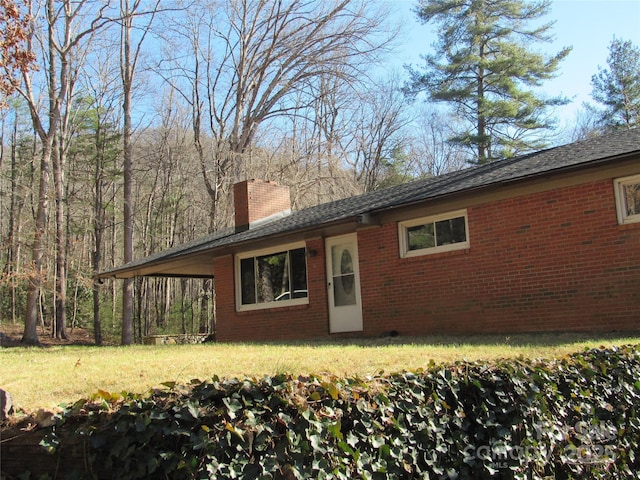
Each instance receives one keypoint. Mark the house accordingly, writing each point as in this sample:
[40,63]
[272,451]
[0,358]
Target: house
[548,241]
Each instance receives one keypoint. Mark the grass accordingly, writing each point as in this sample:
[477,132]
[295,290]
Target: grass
[45,378]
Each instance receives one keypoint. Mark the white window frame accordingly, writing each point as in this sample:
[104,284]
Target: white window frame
[404,241]
[240,307]
[621,201]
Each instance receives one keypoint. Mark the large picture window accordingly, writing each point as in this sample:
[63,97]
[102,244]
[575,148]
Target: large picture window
[423,236]
[271,278]
[628,199]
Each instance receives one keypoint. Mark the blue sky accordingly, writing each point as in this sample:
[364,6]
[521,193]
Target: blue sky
[587,25]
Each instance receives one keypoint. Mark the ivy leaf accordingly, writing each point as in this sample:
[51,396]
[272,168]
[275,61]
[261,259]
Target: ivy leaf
[331,389]
[193,410]
[235,431]
[316,443]
[377,441]
[233,406]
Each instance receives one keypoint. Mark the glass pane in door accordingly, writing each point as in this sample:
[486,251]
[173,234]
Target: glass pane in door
[344,292]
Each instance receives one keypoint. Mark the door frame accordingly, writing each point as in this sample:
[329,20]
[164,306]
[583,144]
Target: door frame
[346,318]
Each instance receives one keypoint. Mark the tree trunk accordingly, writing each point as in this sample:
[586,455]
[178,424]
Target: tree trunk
[30,336]
[482,121]
[127,285]
[60,322]
[127,73]
[128,60]
[183,317]
[98,225]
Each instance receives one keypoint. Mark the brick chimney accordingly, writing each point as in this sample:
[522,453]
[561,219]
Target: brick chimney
[257,201]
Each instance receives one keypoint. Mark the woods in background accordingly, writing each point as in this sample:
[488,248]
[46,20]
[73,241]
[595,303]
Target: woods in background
[126,134]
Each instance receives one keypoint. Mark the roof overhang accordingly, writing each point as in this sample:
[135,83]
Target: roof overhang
[189,266]
[199,264]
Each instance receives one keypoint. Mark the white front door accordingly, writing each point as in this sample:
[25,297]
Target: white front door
[343,281]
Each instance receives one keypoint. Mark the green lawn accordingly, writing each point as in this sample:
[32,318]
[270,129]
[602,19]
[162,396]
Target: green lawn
[44,378]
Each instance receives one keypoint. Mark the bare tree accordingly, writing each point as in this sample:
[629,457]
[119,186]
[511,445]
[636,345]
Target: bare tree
[430,152]
[253,60]
[331,135]
[101,151]
[68,126]
[587,123]
[269,87]
[129,57]
[381,118]
[20,145]
[62,34]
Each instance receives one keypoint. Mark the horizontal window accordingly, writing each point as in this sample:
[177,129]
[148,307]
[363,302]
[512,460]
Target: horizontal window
[627,192]
[273,278]
[423,236]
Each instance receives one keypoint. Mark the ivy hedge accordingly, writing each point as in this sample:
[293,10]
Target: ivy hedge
[575,417]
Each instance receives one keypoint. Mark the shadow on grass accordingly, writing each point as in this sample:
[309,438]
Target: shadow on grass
[546,339]
[10,337]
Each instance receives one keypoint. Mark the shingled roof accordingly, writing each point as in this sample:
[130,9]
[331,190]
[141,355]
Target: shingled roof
[579,155]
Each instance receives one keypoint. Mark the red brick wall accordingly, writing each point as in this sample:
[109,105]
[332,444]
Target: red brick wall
[553,261]
[543,262]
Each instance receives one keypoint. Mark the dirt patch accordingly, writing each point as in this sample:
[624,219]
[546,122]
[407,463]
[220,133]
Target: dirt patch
[11,334]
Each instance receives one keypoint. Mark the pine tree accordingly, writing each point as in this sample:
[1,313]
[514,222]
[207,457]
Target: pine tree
[484,65]
[617,87]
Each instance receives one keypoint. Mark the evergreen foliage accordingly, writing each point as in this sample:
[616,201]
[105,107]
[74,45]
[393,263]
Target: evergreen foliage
[576,417]
[485,66]
[617,88]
